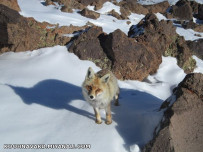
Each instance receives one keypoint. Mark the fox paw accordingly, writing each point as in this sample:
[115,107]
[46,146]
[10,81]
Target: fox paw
[98,122]
[108,122]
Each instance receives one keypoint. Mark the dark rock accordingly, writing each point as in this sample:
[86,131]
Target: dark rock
[181,129]
[130,60]
[87,47]
[200,12]
[182,10]
[196,47]
[90,14]
[21,34]
[192,25]
[160,7]
[162,37]
[12,4]
[133,6]
[116,52]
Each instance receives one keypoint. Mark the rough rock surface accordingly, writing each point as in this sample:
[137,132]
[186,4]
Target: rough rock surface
[21,34]
[117,52]
[160,7]
[90,14]
[162,37]
[192,25]
[181,129]
[13,4]
[197,47]
[182,10]
[200,12]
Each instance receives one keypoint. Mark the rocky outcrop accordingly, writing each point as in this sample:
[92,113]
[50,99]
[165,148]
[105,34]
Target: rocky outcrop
[162,37]
[181,128]
[13,4]
[192,25]
[21,34]
[182,10]
[158,8]
[117,52]
[90,14]
[196,47]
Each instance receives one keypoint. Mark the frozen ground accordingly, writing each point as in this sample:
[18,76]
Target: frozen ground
[41,100]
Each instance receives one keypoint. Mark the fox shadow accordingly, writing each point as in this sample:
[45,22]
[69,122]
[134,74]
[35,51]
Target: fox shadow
[55,94]
[136,117]
[132,117]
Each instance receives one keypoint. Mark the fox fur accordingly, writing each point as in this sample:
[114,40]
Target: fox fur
[99,89]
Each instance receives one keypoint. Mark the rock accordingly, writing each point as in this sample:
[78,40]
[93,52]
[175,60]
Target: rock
[116,52]
[13,4]
[69,5]
[196,47]
[87,47]
[182,10]
[181,127]
[160,7]
[162,37]
[192,25]
[114,14]
[130,60]
[200,12]
[90,14]
[22,34]
[133,6]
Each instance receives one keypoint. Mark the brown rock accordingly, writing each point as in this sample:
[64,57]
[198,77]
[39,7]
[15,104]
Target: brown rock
[181,128]
[122,55]
[21,34]
[182,10]
[114,14]
[196,47]
[130,60]
[200,12]
[160,7]
[162,37]
[13,4]
[87,47]
[90,14]
[192,25]
[133,6]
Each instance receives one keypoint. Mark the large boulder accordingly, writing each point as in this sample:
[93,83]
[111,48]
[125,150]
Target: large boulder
[20,34]
[126,58]
[162,37]
[196,47]
[158,8]
[87,47]
[182,10]
[13,4]
[181,127]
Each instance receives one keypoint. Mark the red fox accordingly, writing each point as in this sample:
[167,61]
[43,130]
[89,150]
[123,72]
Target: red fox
[99,89]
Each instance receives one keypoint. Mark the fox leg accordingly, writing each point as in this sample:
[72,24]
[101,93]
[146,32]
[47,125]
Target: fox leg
[108,114]
[97,115]
[116,99]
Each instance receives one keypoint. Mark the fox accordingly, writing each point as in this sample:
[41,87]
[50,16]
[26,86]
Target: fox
[99,89]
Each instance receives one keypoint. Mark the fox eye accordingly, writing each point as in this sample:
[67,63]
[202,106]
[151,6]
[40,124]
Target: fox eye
[98,91]
[88,88]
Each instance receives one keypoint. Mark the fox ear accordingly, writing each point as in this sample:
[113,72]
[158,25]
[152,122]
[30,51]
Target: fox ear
[105,78]
[90,73]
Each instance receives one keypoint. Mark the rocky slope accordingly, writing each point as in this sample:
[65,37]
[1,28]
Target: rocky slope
[181,128]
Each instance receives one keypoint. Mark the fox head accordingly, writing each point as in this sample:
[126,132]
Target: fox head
[94,85]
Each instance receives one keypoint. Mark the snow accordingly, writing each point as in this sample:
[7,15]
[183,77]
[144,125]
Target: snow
[51,14]
[41,100]
[189,34]
[171,2]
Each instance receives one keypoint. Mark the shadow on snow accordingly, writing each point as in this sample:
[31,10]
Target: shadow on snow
[136,117]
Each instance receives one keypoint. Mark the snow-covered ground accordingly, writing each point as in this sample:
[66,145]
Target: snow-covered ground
[41,100]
